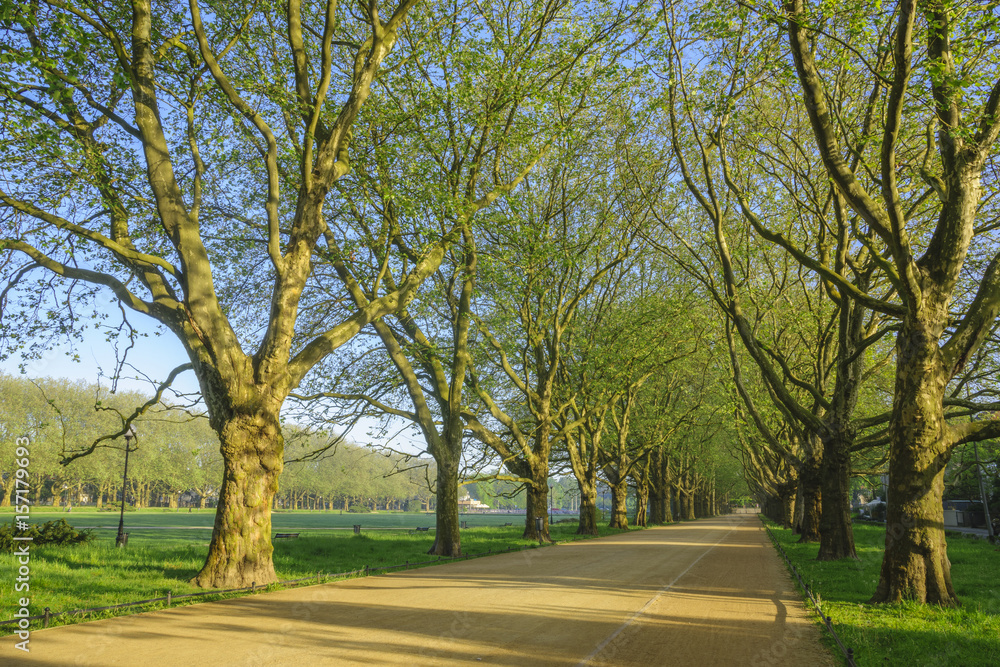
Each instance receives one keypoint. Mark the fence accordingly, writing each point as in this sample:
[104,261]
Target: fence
[848,652]
[320,577]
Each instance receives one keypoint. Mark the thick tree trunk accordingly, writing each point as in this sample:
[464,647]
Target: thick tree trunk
[687,505]
[588,508]
[915,565]
[240,551]
[7,492]
[641,502]
[659,493]
[619,507]
[675,502]
[447,538]
[537,507]
[811,488]
[787,500]
[836,537]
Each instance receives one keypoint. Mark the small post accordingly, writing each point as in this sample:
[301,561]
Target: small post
[48,615]
[539,522]
[357,529]
[465,524]
[318,578]
[169,595]
[253,586]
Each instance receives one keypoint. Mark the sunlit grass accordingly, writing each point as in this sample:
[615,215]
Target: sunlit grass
[158,560]
[907,634]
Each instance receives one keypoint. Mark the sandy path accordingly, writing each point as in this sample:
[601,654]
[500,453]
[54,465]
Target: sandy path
[707,593]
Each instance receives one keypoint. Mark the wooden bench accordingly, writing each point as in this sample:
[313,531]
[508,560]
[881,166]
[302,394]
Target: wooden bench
[508,524]
[420,529]
[285,536]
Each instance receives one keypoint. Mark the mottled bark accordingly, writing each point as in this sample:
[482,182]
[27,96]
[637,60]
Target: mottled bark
[619,508]
[588,509]
[447,538]
[239,553]
[915,565]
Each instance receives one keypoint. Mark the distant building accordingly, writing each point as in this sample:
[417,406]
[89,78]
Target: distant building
[466,503]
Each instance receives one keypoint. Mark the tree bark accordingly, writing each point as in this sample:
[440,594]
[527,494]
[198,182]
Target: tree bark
[836,537]
[447,538]
[915,565]
[537,507]
[588,508]
[811,488]
[240,551]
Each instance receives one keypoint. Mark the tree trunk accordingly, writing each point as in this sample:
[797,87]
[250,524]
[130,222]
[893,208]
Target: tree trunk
[836,538]
[687,505]
[7,492]
[174,495]
[659,498]
[811,488]
[675,502]
[588,508]
[240,551]
[915,565]
[447,538]
[619,506]
[787,500]
[537,507]
[641,501]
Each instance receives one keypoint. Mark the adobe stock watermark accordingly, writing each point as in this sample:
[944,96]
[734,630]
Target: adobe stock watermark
[22,543]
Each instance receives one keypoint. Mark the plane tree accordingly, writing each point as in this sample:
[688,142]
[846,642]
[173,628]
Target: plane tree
[530,88]
[164,160]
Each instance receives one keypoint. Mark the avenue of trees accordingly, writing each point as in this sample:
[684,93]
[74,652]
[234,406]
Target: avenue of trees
[671,249]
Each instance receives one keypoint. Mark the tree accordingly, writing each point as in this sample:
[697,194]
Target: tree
[147,158]
[951,89]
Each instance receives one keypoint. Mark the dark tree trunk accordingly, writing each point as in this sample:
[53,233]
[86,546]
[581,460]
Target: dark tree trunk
[811,487]
[588,509]
[659,499]
[836,537]
[675,502]
[240,551]
[619,507]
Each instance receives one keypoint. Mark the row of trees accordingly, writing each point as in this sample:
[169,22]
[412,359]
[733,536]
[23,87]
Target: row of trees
[175,458]
[618,242]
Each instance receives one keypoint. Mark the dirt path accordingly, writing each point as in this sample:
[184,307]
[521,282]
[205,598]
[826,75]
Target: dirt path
[707,593]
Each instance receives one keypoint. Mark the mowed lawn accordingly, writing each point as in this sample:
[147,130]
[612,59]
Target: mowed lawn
[909,635]
[165,555]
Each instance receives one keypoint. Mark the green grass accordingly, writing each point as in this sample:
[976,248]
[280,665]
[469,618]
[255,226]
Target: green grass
[906,634]
[162,559]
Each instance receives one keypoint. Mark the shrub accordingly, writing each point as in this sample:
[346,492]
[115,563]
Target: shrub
[56,532]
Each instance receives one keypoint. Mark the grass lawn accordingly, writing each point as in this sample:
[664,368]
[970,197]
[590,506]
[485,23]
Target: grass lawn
[908,635]
[164,558]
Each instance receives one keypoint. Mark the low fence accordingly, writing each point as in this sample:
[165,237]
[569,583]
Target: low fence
[320,578]
[847,651]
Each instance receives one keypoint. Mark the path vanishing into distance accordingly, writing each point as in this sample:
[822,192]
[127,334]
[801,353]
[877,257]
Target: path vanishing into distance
[711,592]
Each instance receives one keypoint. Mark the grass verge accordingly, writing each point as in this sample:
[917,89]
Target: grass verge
[906,634]
[159,560]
